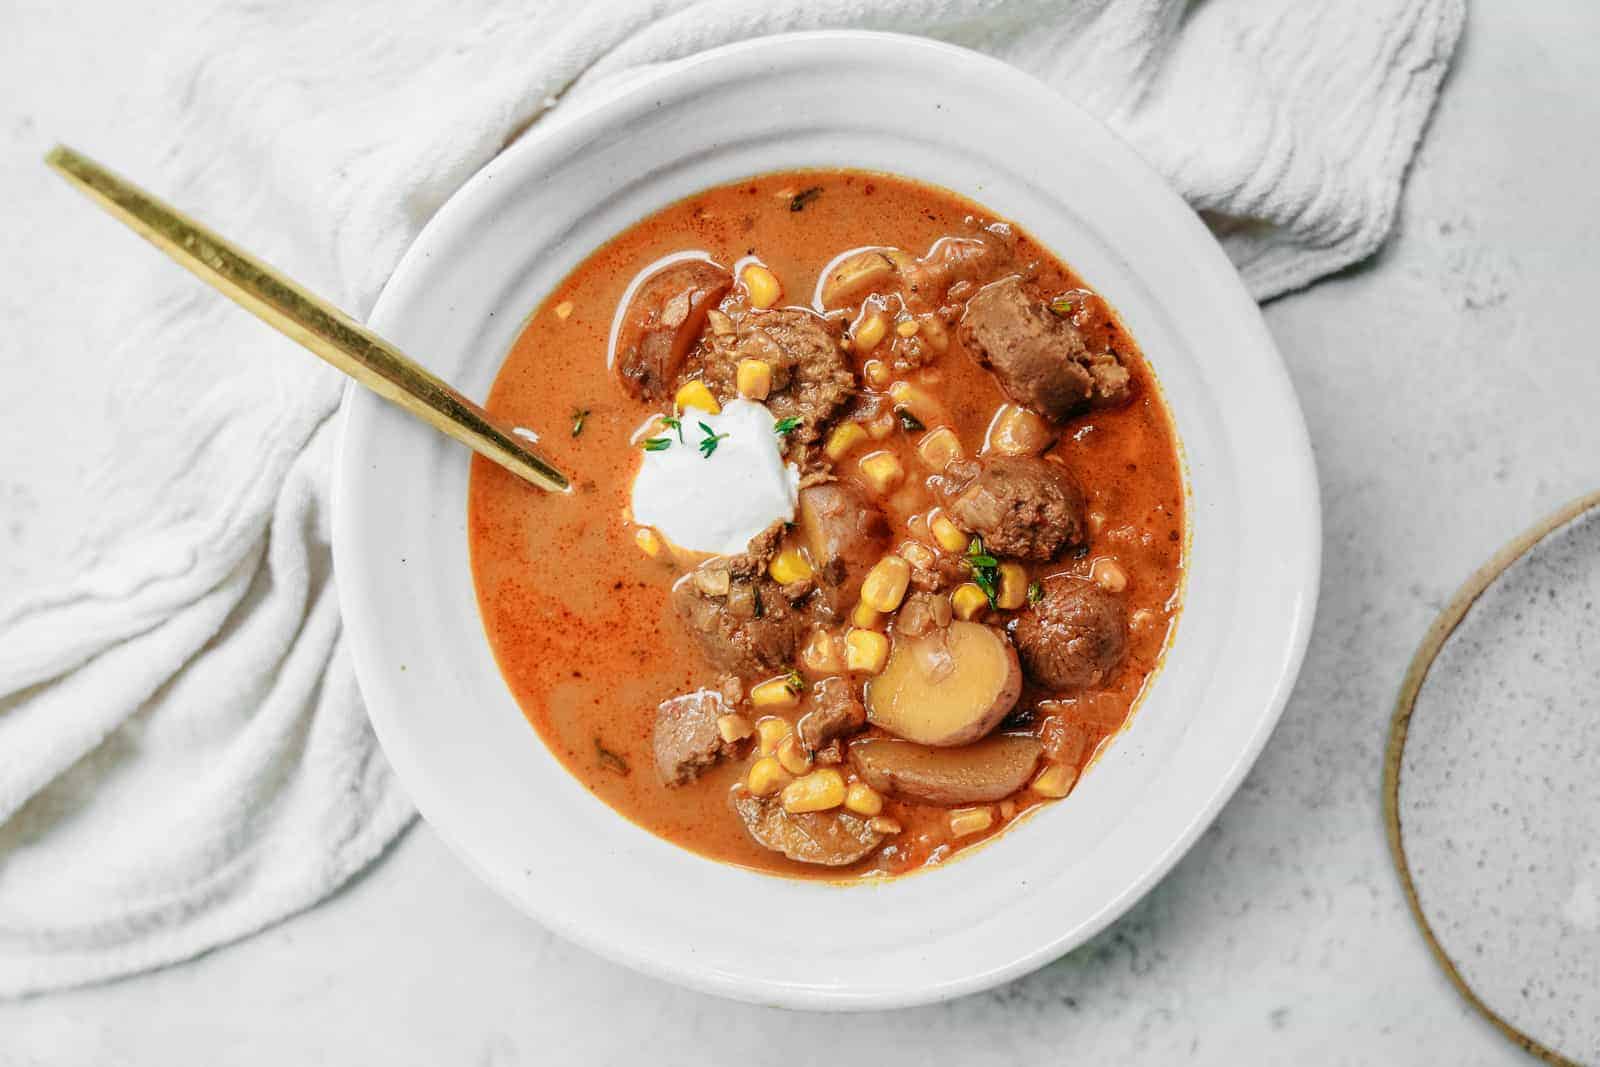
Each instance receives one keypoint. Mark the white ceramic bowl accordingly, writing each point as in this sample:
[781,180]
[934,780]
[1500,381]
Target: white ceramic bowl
[483,778]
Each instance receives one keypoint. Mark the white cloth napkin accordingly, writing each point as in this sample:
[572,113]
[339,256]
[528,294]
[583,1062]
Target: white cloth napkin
[184,757]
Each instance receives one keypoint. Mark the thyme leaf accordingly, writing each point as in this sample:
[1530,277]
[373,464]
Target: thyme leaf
[578,417]
[672,422]
[1035,592]
[610,760]
[804,197]
[985,570]
[657,444]
[784,427]
[708,443]
[909,422]
[794,683]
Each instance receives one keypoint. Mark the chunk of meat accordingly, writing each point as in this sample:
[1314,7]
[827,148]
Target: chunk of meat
[759,551]
[811,378]
[749,630]
[662,322]
[1039,357]
[972,260]
[1074,637]
[846,534]
[835,713]
[1021,506]
[826,838]
[687,740]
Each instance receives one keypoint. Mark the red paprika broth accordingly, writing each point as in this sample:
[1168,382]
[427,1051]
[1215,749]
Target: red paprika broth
[579,617]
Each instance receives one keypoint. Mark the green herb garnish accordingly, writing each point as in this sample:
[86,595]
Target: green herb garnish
[657,444]
[672,422]
[804,197]
[985,570]
[708,443]
[909,422]
[784,427]
[1063,305]
[578,415]
[794,683]
[1035,592]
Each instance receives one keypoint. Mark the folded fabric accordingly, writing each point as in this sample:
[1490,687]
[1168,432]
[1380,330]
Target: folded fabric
[184,757]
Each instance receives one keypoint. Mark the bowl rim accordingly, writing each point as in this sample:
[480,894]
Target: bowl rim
[1297,457]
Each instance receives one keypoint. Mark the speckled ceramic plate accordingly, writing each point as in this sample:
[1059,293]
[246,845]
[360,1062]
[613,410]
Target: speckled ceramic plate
[450,725]
[1493,788]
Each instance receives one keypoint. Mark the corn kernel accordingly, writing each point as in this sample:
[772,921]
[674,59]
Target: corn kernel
[882,470]
[1056,780]
[822,654]
[919,555]
[770,733]
[564,309]
[927,410]
[1016,431]
[951,537]
[869,330]
[862,799]
[762,285]
[967,821]
[775,693]
[938,448]
[935,334]
[906,327]
[863,616]
[794,758]
[883,825]
[766,777]
[789,565]
[845,437]
[1013,591]
[882,426]
[1108,575]
[875,371]
[968,601]
[695,394]
[753,378]
[734,727]
[865,651]
[821,790]
[648,540]
[885,584]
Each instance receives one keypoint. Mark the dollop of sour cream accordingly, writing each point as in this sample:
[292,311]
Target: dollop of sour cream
[716,503]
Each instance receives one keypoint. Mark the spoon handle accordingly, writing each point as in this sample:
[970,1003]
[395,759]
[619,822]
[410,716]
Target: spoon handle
[306,319]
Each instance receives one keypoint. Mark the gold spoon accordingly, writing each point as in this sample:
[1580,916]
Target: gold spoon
[306,319]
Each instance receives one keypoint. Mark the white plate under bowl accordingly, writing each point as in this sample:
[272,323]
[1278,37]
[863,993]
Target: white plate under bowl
[484,779]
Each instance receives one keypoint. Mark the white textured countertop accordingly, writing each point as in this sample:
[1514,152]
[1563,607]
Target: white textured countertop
[1450,389]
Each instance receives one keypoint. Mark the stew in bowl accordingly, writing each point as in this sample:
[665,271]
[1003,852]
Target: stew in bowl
[469,600]
[880,533]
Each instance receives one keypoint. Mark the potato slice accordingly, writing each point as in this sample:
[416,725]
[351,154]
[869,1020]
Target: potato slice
[847,534]
[826,838]
[662,321]
[949,687]
[989,770]
[858,274]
